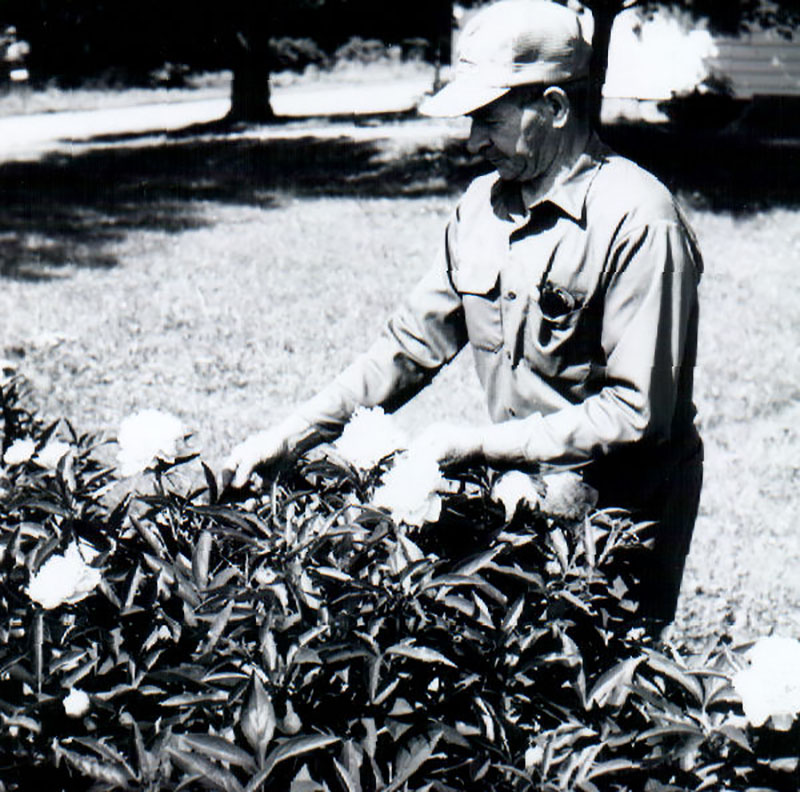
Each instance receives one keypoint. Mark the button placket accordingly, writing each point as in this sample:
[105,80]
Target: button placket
[512,288]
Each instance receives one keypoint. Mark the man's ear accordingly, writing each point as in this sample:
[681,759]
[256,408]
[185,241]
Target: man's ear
[559,104]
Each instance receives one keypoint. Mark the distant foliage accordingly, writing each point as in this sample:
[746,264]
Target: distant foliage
[359,50]
[160,40]
[296,54]
[300,639]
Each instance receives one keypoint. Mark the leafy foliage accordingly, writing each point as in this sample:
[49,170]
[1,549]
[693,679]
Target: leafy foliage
[299,639]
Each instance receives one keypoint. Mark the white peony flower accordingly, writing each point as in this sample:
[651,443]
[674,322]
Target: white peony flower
[770,687]
[410,490]
[77,703]
[369,436]
[533,757]
[51,454]
[19,451]
[513,488]
[567,496]
[145,435]
[63,579]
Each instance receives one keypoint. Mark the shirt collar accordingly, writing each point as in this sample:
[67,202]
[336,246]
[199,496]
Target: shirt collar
[568,193]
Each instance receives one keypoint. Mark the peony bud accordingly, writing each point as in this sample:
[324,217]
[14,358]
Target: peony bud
[77,703]
[290,723]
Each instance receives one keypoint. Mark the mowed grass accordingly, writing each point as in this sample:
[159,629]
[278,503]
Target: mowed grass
[231,316]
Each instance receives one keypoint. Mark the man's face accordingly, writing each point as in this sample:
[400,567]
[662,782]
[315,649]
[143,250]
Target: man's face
[516,137]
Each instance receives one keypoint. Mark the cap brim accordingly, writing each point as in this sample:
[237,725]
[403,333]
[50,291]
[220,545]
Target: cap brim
[460,97]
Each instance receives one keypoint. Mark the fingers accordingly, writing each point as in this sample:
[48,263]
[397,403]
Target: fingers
[242,474]
[447,444]
[227,475]
[264,448]
[239,465]
[429,445]
[249,457]
[234,472]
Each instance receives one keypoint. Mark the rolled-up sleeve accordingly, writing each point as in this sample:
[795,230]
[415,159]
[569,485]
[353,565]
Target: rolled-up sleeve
[649,325]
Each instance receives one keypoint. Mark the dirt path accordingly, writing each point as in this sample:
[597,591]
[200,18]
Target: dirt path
[30,137]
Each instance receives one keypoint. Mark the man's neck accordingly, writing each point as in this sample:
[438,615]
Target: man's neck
[535,190]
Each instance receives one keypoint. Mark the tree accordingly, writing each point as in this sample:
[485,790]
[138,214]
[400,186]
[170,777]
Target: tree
[728,17]
[724,16]
[128,39]
[251,28]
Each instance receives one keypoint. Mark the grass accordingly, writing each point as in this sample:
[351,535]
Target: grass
[21,99]
[224,279]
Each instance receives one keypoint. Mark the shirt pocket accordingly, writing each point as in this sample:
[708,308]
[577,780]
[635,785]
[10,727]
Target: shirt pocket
[479,289]
[553,342]
[484,319]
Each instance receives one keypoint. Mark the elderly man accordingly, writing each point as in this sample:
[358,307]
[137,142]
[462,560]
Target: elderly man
[571,273]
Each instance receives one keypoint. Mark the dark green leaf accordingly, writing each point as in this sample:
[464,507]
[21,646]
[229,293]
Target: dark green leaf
[673,730]
[38,647]
[208,771]
[787,764]
[287,750]
[223,578]
[218,627]
[612,766]
[104,751]
[477,562]
[22,722]
[201,557]
[512,617]
[736,735]
[349,781]
[422,653]
[613,687]
[90,767]
[411,757]
[211,481]
[258,720]
[475,581]
[186,699]
[663,665]
[218,748]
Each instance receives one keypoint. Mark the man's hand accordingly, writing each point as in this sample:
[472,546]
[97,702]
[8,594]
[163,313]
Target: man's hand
[269,448]
[448,444]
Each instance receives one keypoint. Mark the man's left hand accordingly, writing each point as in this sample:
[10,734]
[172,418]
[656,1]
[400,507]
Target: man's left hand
[448,444]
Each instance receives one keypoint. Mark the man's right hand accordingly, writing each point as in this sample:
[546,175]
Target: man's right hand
[268,448]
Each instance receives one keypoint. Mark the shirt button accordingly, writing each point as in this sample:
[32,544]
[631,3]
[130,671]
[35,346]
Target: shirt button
[512,412]
[508,354]
[511,295]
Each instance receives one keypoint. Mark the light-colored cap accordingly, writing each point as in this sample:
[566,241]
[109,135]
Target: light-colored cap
[510,43]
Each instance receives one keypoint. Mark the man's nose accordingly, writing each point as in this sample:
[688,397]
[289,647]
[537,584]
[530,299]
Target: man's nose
[478,139]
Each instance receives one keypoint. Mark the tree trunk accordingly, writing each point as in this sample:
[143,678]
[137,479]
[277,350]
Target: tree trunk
[604,14]
[250,89]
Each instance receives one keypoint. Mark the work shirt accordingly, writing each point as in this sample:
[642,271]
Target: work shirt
[581,311]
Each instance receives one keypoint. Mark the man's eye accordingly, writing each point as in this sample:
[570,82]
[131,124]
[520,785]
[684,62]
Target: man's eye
[482,119]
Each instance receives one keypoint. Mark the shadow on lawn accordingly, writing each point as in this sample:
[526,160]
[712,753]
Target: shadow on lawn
[67,210]
[737,173]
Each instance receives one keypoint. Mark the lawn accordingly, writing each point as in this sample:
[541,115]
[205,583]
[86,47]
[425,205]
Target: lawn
[225,278]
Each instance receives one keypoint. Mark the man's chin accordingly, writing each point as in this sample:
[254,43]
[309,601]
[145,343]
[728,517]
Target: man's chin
[507,172]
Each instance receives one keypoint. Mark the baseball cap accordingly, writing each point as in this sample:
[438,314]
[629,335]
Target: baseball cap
[510,43]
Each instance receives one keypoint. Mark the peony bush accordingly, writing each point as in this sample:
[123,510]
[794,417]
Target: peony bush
[363,623]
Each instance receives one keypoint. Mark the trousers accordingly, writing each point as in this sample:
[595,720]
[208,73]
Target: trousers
[670,504]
